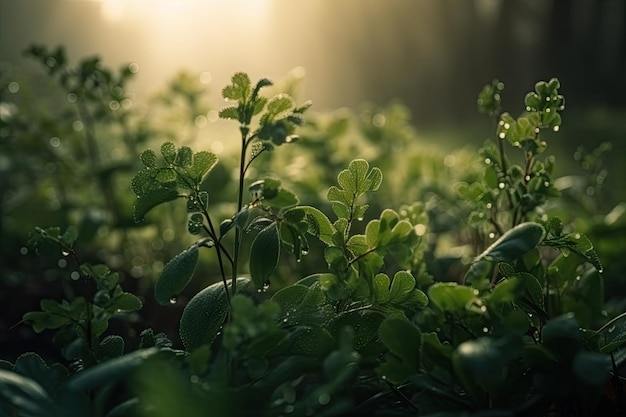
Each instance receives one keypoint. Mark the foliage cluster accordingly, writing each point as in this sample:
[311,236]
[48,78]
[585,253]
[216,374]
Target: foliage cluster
[389,321]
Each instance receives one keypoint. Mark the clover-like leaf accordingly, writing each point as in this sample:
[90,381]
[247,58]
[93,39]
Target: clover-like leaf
[239,89]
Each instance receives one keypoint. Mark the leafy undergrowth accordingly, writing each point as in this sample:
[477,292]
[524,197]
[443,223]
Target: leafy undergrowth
[395,319]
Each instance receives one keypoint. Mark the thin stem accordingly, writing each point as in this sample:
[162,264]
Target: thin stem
[242,172]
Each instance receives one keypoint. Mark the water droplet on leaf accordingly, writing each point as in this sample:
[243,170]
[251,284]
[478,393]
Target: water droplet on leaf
[173,300]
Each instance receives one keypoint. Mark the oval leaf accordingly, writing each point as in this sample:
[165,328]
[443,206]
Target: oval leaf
[205,313]
[176,275]
[264,254]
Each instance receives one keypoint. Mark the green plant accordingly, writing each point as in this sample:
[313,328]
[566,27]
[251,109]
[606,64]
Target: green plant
[374,330]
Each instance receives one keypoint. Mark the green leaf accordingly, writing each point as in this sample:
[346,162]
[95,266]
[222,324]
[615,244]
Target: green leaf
[592,368]
[404,341]
[26,395]
[184,157]
[203,162]
[176,275]
[239,89]
[151,199]
[401,286]
[484,361]
[514,243]
[126,302]
[317,224]
[230,112]
[449,296]
[380,287]
[365,326]
[311,341]
[205,313]
[51,378]
[110,371]
[148,158]
[168,150]
[166,175]
[279,107]
[40,320]
[264,254]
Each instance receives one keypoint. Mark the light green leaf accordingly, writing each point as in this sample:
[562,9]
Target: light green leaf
[239,89]
[279,107]
[203,162]
[449,296]
[401,286]
[380,286]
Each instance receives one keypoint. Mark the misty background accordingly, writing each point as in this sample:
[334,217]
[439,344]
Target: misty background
[432,55]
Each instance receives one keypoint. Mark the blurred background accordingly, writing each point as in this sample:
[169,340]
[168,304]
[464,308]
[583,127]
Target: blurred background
[433,55]
[393,81]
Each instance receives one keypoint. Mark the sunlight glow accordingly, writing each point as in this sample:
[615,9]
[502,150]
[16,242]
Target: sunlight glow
[116,10]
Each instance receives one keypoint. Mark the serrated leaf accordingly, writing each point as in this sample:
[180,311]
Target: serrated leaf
[166,175]
[239,89]
[176,275]
[203,162]
[230,112]
[184,157]
[279,107]
[168,150]
[148,158]
[151,199]
[264,254]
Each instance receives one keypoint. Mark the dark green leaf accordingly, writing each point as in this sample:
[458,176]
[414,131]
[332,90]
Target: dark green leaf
[176,275]
[151,199]
[109,371]
[205,313]
[264,254]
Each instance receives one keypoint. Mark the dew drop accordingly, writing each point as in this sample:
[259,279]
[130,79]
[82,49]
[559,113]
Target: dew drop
[492,235]
[305,252]
[65,252]
[475,291]
[601,270]
[528,108]
[173,300]
[502,135]
[487,161]
[577,236]
[489,205]
[75,275]
[578,278]
[23,250]
[485,330]
[556,128]
[360,218]
[483,308]
[611,329]
[507,126]
[527,178]
[501,185]
[546,183]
